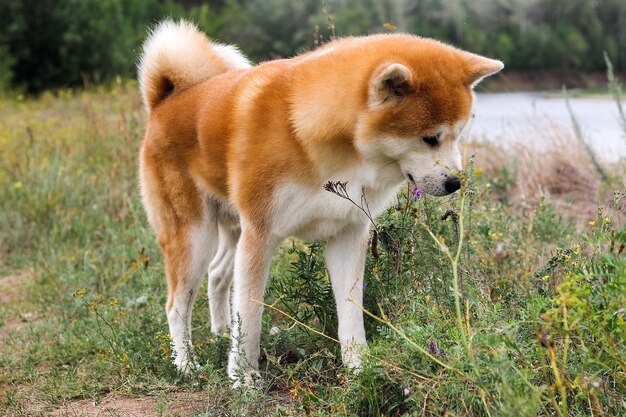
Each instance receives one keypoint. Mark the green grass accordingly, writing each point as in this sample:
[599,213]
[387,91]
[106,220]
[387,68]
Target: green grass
[536,326]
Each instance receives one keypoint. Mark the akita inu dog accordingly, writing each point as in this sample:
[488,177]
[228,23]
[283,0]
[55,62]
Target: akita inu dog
[235,158]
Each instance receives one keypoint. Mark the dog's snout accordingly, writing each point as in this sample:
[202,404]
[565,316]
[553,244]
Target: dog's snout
[452,184]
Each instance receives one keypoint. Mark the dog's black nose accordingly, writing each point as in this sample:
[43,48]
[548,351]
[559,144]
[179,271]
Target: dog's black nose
[452,184]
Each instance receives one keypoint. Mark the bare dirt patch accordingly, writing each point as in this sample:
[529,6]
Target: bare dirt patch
[15,313]
[169,404]
[12,287]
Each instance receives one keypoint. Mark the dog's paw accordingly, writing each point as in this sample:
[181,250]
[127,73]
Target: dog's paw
[351,356]
[250,378]
[186,366]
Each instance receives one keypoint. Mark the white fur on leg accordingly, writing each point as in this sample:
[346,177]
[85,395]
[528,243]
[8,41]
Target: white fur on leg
[252,262]
[201,238]
[220,277]
[345,258]
[182,350]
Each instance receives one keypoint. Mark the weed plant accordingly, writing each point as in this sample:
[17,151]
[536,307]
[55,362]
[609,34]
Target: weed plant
[474,305]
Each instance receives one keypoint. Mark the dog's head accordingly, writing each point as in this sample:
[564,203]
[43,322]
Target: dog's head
[418,103]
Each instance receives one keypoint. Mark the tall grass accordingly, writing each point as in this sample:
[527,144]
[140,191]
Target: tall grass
[482,303]
[615,87]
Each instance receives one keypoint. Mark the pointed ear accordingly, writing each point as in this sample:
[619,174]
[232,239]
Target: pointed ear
[479,67]
[389,85]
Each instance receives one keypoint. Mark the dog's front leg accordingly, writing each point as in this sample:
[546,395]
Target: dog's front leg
[345,258]
[252,262]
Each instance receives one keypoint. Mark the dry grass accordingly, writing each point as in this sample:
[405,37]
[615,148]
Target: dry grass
[171,404]
[559,172]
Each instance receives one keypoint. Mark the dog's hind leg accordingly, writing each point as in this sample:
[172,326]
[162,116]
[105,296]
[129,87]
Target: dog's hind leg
[221,273]
[186,260]
[185,221]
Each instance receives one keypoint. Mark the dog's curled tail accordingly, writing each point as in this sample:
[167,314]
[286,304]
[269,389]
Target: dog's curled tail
[177,55]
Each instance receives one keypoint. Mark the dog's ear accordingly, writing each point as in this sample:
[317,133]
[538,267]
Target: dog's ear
[389,85]
[479,67]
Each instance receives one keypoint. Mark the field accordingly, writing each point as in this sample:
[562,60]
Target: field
[506,299]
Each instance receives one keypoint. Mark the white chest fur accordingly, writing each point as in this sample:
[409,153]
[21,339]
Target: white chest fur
[315,213]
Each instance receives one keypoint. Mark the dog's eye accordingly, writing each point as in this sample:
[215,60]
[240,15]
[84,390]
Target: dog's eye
[431,140]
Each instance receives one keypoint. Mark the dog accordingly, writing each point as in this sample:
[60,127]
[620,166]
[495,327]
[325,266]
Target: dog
[235,158]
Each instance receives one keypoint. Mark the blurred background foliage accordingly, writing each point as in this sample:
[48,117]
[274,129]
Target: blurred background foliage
[56,43]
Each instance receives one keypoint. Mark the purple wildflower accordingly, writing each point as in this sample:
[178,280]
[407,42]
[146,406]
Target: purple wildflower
[417,193]
[364,284]
[406,392]
[433,349]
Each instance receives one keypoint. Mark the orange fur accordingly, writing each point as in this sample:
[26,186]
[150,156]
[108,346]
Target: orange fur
[302,120]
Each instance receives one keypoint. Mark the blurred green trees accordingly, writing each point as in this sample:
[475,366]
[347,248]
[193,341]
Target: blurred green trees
[54,43]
